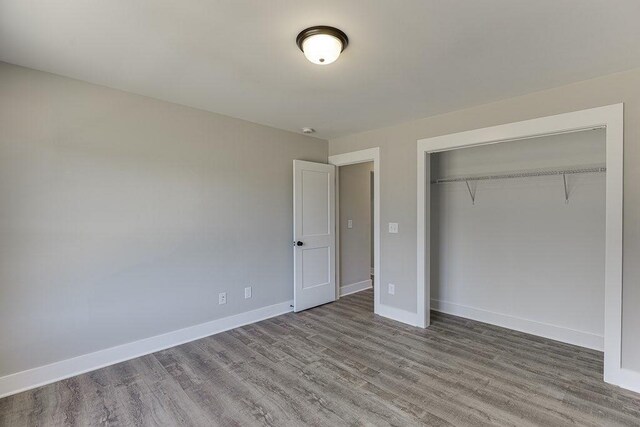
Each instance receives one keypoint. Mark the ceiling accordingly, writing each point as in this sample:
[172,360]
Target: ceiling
[405,60]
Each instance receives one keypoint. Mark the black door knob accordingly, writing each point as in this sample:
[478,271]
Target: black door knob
[299,243]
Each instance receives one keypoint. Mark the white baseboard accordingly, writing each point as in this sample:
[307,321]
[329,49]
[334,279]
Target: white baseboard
[558,333]
[355,287]
[628,379]
[397,314]
[36,377]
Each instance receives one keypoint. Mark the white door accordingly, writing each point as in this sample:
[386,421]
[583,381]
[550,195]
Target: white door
[314,238]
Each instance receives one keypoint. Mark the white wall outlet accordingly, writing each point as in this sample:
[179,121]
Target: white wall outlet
[392,289]
[222,298]
[349,223]
[247,292]
[393,227]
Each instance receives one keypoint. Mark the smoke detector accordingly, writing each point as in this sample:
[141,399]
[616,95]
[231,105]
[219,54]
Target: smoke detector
[308,130]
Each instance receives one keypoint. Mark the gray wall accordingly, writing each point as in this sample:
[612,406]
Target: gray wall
[355,204]
[123,217]
[520,251]
[398,181]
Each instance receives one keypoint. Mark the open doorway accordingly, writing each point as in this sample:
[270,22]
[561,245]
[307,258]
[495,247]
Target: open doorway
[371,206]
[355,222]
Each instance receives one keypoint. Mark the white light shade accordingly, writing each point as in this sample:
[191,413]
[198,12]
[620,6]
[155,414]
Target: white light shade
[322,49]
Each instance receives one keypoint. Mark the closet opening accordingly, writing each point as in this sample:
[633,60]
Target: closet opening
[518,235]
[500,250]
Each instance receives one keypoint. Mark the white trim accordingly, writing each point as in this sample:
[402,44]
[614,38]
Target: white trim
[355,287]
[42,375]
[558,333]
[612,118]
[629,379]
[354,157]
[397,314]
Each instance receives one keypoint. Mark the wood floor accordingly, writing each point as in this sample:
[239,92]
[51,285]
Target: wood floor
[340,365]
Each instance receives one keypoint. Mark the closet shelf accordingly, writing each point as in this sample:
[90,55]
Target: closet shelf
[524,174]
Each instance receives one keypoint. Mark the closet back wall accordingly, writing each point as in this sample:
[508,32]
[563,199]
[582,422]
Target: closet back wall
[520,257]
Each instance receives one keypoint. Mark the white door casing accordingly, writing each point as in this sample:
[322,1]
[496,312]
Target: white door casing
[314,238]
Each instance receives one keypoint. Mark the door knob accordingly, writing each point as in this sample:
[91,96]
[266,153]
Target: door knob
[299,243]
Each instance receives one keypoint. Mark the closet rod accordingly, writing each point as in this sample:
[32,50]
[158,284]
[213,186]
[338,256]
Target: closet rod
[521,175]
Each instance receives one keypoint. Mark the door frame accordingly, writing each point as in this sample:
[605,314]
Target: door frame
[609,117]
[352,158]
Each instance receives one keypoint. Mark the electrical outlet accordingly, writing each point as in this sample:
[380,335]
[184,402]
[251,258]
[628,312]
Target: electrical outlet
[349,223]
[393,227]
[392,289]
[222,298]
[247,292]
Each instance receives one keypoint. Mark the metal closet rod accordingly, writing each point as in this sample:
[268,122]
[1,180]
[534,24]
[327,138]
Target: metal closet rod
[521,175]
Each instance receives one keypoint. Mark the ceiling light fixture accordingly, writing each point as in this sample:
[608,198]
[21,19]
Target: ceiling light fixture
[321,44]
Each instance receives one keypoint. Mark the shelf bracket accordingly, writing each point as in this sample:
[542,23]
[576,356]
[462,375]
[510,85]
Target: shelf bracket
[566,191]
[472,194]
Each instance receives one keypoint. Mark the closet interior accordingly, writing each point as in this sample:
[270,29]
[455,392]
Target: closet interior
[518,235]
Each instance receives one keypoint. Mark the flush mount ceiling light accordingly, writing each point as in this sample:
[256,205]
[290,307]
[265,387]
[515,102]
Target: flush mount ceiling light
[321,44]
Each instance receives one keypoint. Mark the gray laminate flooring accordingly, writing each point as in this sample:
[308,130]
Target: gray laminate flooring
[340,365]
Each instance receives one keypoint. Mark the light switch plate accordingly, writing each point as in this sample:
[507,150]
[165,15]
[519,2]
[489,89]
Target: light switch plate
[349,223]
[393,227]
[392,289]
